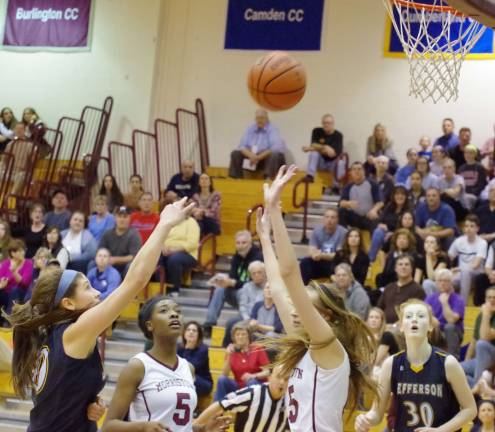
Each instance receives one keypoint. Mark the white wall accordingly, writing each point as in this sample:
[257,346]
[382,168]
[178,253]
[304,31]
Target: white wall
[120,63]
[349,77]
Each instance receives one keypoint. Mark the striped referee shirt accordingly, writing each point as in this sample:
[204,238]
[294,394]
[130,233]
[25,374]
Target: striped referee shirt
[256,410]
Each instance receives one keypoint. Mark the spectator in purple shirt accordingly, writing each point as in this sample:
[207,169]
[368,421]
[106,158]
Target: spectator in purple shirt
[261,148]
[448,312]
[449,139]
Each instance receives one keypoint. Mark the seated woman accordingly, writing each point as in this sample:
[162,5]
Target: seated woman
[40,261]
[35,130]
[7,124]
[5,239]
[110,189]
[53,242]
[101,220]
[131,199]
[379,144]
[486,416]
[196,352]
[433,260]
[207,210]
[245,360]
[353,253]
[416,191]
[16,274]
[79,242]
[35,233]
[389,219]
[428,179]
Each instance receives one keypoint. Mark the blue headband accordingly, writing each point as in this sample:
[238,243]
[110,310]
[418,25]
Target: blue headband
[66,280]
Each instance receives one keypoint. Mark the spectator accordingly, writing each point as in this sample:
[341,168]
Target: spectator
[246,362]
[123,242]
[35,131]
[325,241]
[145,220]
[486,416]
[486,215]
[131,199]
[104,277]
[436,218]
[355,297]
[389,219]
[60,216]
[101,221]
[432,262]
[448,312]
[452,189]
[486,279]
[325,148]
[386,341]
[196,352]
[180,252]
[16,274]
[474,175]
[379,145]
[353,253]
[481,351]
[250,293]
[404,172]
[110,189]
[407,221]
[487,151]
[225,286]
[471,250]
[79,242]
[208,202]
[457,153]
[383,178]
[428,179]
[261,149]
[53,242]
[34,234]
[40,260]
[425,146]
[484,388]
[264,318]
[396,293]
[376,322]
[438,155]
[7,124]
[5,239]
[183,184]
[361,200]
[449,139]
[416,192]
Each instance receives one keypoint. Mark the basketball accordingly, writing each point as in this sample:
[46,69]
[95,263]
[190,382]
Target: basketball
[277,81]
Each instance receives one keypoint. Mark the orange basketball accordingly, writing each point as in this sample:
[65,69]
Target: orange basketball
[277,81]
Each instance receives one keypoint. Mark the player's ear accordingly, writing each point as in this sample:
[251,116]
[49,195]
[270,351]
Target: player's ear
[149,326]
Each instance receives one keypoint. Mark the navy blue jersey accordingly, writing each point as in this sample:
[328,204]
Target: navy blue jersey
[422,396]
[63,387]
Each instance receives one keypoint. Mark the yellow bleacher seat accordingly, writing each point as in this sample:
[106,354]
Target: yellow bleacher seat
[217,357]
[217,335]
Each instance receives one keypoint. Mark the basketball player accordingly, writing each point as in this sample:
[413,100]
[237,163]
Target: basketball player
[56,331]
[326,347]
[429,388]
[156,388]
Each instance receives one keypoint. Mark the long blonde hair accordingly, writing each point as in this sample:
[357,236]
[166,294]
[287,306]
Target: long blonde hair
[349,329]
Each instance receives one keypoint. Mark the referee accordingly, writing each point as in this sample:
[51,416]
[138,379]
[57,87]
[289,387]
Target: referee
[258,408]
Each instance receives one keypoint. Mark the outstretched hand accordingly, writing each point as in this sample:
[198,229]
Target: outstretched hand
[176,212]
[263,225]
[272,192]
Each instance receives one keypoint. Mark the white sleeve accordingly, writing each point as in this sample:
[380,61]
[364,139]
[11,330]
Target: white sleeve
[453,249]
[489,259]
[481,252]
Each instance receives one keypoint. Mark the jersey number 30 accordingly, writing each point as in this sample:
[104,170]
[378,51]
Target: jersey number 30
[423,412]
[293,406]
[182,419]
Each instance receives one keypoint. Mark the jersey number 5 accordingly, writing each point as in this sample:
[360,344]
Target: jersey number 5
[293,406]
[425,413]
[184,419]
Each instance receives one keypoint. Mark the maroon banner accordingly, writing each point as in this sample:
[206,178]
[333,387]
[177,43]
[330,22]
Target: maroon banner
[47,23]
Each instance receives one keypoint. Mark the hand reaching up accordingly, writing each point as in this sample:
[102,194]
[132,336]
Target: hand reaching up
[176,212]
[272,192]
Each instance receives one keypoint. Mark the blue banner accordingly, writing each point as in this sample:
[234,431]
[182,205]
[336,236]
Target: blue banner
[289,25]
[483,49]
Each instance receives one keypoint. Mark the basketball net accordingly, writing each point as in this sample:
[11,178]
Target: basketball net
[436,39]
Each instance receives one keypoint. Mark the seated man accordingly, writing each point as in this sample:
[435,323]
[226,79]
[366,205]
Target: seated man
[325,241]
[486,215]
[264,316]
[457,153]
[448,311]
[104,277]
[449,139]
[145,220]
[481,351]
[404,172]
[383,178]
[474,175]
[435,218]
[326,146]
[59,217]
[180,253]
[123,242]
[183,184]
[355,297]
[486,279]
[261,148]
[250,293]
[226,286]
[452,189]
[361,201]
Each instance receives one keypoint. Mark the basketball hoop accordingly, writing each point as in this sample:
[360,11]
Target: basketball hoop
[436,39]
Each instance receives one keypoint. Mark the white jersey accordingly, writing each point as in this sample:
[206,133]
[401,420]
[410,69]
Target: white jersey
[316,397]
[165,395]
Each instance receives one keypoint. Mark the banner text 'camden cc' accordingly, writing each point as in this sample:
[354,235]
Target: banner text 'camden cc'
[47,24]
[290,25]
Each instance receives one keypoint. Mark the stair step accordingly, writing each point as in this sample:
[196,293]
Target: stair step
[12,426]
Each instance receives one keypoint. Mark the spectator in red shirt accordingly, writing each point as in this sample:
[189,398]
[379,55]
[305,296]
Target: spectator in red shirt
[145,220]
[245,360]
